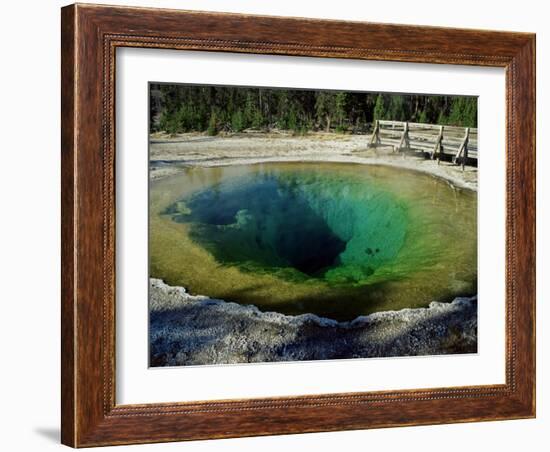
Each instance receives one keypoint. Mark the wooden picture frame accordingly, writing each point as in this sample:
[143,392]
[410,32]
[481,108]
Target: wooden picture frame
[90,36]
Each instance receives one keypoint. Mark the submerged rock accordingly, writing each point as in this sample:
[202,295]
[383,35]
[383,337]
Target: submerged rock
[193,330]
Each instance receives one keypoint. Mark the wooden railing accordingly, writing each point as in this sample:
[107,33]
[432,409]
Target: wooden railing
[459,143]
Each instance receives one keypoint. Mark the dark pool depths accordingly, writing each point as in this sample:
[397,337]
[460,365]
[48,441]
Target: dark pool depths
[297,225]
[336,240]
[263,223]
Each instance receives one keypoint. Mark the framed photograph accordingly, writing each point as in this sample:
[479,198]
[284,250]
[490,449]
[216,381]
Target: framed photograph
[281,225]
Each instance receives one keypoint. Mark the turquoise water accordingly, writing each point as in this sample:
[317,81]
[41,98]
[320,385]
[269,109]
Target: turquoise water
[337,240]
[298,225]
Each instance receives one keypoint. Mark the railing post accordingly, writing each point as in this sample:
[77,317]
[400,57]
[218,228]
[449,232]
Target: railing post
[462,153]
[405,137]
[465,155]
[375,139]
[437,145]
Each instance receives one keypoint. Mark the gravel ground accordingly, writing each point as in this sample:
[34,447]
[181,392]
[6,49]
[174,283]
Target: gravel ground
[169,154]
[194,330]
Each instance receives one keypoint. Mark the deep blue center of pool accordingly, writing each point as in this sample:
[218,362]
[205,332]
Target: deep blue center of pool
[336,228]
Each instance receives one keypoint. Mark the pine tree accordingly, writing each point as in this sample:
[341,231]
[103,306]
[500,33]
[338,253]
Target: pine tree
[212,125]
[423,118]
[237,121]
[463,112]
[379,108]
[340,103]
[396,109]
[324,106]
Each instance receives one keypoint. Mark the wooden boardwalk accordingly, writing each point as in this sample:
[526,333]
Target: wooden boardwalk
[458,144]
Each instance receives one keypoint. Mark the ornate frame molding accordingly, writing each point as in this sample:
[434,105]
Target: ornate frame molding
[90,37]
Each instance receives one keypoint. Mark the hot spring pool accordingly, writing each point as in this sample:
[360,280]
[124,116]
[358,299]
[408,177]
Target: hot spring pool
[337,240]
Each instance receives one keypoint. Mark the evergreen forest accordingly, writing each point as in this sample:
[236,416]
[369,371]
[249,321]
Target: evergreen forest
[214,109]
